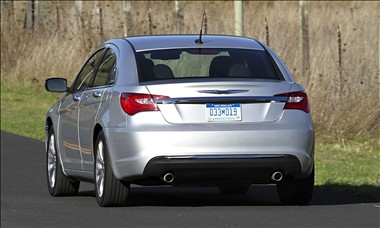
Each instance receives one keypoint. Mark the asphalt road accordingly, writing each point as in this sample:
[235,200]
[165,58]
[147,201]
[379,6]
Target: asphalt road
[25,202]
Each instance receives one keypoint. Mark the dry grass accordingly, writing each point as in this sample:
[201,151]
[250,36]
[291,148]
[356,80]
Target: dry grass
[52,50]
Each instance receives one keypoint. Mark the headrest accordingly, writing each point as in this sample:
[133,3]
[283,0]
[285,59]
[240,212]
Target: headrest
[239,70]
[219,66]
[162,71]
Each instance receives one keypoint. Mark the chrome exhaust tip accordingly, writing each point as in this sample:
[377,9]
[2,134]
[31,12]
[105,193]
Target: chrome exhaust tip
[277,176]
[168,178]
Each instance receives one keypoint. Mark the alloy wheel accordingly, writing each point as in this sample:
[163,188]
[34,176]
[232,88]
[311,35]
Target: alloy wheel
[52,162]
[100,168]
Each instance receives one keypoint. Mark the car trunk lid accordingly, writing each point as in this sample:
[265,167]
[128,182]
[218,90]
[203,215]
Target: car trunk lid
[221,102]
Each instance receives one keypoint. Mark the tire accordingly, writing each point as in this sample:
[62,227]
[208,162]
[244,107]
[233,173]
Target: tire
[293,191]
[58,183]
[109,190]
[234,190]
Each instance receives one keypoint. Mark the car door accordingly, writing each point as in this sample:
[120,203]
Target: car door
[91,102]
[69,113]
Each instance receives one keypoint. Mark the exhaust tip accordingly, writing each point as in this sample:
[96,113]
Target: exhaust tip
[277,176]
[168,178]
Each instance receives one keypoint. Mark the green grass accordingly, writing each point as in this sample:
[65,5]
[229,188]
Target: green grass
[355,155]
[24,106]
[348,166]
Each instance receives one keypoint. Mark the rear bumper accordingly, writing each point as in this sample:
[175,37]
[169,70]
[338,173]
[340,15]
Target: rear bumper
[218,170]
[150,150]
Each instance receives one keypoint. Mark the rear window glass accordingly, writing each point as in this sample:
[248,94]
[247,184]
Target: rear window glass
[205,63]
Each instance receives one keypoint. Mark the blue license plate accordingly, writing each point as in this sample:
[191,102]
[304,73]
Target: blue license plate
[223,112]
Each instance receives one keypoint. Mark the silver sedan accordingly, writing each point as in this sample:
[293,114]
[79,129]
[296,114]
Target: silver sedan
[222,111]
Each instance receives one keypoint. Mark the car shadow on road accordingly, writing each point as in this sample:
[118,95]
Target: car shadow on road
[197,197]
[335,194]
[258,195]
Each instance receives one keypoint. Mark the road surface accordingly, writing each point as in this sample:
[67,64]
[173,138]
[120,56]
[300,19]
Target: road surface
[25,202]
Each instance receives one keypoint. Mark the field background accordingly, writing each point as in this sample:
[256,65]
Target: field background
[345,105]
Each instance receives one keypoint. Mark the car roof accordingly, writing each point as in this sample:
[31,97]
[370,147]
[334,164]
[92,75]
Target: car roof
[145,43]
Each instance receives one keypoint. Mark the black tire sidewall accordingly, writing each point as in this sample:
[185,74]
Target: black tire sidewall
[296,191]
[104,200]
[115,192]
[64,186]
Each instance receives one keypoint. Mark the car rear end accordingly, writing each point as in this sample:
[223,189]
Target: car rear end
[224,112]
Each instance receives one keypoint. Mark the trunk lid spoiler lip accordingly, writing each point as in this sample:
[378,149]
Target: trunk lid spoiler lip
[219,100]
[223,91]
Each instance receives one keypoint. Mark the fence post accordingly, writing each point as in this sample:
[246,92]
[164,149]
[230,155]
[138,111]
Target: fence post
[12,10]
[339,38]
[180,16]
[29,15]
[36,14]
[127,16]
[79,5]
[266,30]
[150,21]
[79,13]
[98,7]
[100,18]
[2,14]
[205,22]
[57,13]
[305,49]
[239,28]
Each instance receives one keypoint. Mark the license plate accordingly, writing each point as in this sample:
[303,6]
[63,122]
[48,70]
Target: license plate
[223,112]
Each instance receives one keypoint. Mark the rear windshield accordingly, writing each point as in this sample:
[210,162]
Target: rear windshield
[205,63]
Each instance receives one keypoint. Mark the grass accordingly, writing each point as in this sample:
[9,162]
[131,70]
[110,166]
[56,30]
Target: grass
[23,108]
[347,166]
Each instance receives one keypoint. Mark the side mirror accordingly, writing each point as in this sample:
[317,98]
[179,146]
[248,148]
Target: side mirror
[56,85]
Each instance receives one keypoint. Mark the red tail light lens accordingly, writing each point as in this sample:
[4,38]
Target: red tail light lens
[133,103]
[296,100]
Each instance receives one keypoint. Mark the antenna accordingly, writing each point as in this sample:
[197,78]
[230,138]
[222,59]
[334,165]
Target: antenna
[199,41]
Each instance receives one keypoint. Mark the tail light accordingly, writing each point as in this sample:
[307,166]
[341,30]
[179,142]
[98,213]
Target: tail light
[133,103]
[296,100]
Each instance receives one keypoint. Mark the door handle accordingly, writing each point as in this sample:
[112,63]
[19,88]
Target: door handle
[77,98]
[97,94]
